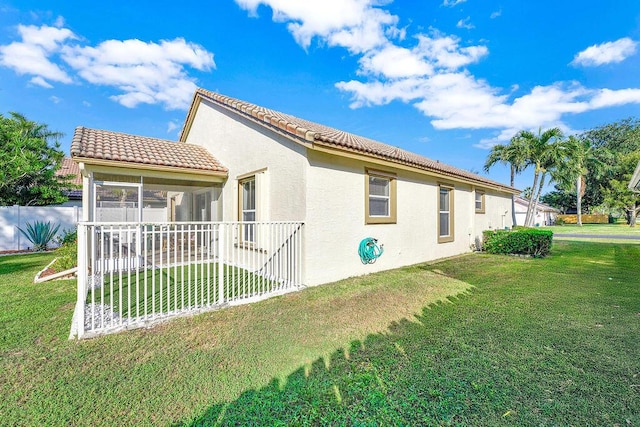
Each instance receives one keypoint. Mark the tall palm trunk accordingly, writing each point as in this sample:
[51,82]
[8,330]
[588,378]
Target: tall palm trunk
[513,196]
[536,177]
[579,200]
[535,197]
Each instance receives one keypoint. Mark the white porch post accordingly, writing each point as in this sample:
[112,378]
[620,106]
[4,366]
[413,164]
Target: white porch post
[221,237]
[82,277]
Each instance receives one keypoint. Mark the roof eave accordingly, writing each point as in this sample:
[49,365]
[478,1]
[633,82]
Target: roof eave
[370,157]
[217,176]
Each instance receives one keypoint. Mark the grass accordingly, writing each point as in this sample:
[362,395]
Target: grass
[173,288]
[479,340]
[619,229]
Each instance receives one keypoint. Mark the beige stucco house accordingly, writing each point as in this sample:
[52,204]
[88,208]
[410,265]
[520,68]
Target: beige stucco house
[236,161]
[544,214]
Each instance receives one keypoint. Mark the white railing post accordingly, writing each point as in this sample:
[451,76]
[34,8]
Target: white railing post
[82,278]
[221,237]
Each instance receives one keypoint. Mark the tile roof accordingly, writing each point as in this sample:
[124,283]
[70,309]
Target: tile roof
[306,131]
[141,150]
[540,205]
[69,167]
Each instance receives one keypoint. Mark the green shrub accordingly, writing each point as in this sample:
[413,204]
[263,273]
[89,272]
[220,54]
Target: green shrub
[66,257]
[528,241]
[69,236]
[40,233]
[560,221]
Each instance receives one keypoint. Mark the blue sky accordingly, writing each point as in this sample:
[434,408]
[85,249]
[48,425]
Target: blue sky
[443,78]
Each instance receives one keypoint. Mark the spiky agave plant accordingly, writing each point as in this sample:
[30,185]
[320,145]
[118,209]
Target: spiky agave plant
[40,233]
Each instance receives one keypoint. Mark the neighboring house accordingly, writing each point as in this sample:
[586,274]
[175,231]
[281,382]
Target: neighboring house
[544,215]
[70,168]
[634,184]
[236,161]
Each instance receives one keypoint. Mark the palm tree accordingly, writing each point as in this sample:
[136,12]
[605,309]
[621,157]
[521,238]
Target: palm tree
[582,159]
[544,154]
[514,154]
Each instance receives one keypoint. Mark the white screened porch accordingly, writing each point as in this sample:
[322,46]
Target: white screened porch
[152,248]
[135,274]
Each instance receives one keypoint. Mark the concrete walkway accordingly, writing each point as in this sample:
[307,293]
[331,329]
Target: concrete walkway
[598,236]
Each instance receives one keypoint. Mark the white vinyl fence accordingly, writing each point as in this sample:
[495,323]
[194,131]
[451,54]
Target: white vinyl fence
[132,275]
[12,217]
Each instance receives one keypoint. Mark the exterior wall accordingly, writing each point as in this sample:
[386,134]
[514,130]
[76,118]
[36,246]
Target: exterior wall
[244,147]
[327,193]
[541,218]
[497,213]
[336,219]
[12,217]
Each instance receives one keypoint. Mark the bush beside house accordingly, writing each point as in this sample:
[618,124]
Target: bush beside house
[532,242]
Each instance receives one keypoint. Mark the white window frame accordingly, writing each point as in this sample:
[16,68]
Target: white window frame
[450,213]
[391,216]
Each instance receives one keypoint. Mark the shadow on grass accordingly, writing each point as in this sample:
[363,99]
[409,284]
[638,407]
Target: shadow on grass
[391,378]
[17,263]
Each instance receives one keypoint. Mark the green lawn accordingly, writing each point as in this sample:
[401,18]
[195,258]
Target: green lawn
[619,229]
[173,288]
[477,340]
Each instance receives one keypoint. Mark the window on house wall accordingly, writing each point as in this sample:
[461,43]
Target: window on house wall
[247,208]
[445,214]
[380,198]
[480,202]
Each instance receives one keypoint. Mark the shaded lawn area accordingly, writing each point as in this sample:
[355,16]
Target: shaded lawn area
[478,340]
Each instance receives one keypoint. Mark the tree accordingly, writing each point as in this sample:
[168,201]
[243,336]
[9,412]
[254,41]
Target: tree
[580,159]
[30,154]
[618,148]
[544,154]
[515,155]
[559,199]
[617,194]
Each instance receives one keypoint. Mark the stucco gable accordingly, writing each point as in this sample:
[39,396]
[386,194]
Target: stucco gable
[317,136]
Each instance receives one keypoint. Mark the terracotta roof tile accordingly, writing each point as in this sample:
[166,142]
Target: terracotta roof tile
[69,167]
[107,145]
[323,135]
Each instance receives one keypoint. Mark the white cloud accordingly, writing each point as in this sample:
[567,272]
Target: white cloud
[611,98]
[452,3]
[143,72]
[32,54]
[59,22]
[496,14]
[465,23]
[395,62]
[39,81]
[86,103]
[357,25]
[606,53]
[171,126]
[54,99]
[445,51]
[148,73]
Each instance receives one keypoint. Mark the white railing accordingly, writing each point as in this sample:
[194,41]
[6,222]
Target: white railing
[135,274]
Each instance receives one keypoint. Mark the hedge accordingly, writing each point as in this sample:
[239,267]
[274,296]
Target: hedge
[586,219]
[525,241]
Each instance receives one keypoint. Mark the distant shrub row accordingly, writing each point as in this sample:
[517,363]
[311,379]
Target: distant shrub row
[522,241]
